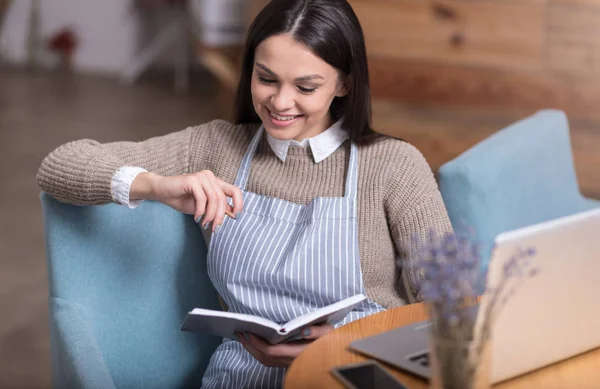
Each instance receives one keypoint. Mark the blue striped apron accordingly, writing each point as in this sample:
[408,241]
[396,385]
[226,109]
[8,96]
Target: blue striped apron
[280,260]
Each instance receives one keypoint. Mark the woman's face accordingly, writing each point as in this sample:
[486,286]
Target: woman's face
[292,88]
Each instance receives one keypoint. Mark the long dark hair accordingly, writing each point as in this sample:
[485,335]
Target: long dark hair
[332,31]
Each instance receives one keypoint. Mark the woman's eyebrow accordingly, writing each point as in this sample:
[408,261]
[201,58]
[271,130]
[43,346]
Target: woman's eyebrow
[299,79]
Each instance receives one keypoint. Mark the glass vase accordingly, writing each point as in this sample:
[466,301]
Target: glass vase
[459,364]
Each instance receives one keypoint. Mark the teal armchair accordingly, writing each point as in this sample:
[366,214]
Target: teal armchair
[521,175]
[121,282]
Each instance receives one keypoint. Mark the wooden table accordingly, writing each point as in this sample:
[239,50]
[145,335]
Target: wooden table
[311,369]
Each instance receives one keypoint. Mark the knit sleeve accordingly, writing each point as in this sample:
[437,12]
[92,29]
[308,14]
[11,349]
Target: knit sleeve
[80,172]
[414,208]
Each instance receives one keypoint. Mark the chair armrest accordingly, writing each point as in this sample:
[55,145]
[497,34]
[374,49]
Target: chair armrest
[589,204]
[77,361]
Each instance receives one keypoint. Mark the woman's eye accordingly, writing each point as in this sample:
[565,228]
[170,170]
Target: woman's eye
[269,81]
[266,80]
[306,90]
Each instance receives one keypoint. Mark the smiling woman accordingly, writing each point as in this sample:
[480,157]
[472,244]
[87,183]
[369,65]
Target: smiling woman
[320,207]
[321,53]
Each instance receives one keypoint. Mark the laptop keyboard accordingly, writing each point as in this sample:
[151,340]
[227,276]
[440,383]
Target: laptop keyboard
[420,358]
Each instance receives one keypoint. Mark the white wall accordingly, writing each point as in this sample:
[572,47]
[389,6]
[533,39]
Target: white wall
[109,32]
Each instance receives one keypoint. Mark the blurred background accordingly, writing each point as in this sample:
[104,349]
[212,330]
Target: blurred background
[445,74]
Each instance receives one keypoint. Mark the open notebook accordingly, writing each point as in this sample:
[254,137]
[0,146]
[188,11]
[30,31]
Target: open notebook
[227,324]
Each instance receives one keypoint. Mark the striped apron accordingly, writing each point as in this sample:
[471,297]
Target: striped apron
[280,260]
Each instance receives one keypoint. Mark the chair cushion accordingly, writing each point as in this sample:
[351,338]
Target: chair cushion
[519,176]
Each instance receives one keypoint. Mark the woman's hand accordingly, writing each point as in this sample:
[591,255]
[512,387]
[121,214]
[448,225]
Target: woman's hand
[200,194]
[282,355]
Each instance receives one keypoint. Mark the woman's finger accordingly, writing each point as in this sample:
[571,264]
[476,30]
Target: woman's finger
[284,352]
[199,200]
[212,199]
[235,193]
[315,332]
[221,201]
[230,212]
[251,349]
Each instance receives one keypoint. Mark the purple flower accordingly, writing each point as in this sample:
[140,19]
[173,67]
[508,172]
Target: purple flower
[451,269]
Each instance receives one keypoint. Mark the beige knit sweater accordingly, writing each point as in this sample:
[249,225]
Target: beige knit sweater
[398,198]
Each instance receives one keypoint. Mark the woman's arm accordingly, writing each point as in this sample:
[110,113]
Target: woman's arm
[415,209]
[81,172]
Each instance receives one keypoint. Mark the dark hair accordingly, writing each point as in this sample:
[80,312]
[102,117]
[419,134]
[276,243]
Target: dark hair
[332,31]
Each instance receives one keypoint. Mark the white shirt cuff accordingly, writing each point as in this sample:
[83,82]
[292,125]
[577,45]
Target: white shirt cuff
[121,185]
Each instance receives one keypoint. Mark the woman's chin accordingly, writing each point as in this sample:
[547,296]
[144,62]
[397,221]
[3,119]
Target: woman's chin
[281,133]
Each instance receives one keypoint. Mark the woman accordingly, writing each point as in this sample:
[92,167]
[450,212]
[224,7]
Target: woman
[322,204]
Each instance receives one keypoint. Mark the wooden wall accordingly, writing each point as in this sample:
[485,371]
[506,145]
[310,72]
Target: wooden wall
[491,62]
[489,53]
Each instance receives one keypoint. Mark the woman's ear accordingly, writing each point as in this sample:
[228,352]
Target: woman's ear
[343,86]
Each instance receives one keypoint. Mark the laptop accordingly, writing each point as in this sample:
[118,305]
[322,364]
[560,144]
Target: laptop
[552,316]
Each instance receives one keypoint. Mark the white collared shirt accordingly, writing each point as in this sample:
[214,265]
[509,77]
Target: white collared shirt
[322,146]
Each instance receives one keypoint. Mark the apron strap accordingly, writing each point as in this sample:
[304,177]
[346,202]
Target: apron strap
[352,176]
[244,172]
[242,176]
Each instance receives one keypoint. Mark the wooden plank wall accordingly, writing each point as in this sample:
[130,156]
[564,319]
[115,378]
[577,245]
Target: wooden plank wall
[489,53]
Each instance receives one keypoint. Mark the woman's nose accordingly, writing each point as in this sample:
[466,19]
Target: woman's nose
[283,100]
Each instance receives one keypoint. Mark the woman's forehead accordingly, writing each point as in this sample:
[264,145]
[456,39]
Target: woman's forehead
[286,57]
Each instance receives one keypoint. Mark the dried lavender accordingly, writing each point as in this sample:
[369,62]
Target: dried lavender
[453,274]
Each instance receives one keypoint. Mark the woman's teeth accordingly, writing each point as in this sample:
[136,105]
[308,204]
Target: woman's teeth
[283,118]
